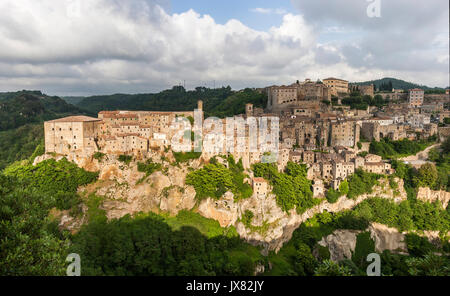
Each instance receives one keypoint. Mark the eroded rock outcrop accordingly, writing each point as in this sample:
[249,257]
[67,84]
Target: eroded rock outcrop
[128,191]
[428,195]
[387,238]
[224,210]
[281,225]
[340,243]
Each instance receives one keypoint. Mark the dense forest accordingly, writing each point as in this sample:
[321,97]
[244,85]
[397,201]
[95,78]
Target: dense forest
[220,102]
[25,108]
[21,116]
[357,101]
[32,244]
[387,84]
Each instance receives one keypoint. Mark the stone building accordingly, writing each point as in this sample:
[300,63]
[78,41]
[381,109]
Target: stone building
[260,186]
[73,134]
[362,89]
[313,91]
[374,131]
[341,170]
[318,188]
[415,97]
[281,97]
[345,133]
[337,86]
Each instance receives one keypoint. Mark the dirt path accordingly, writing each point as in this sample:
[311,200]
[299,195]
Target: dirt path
[421,155]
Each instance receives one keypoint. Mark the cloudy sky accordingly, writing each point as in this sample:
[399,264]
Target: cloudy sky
[85,47]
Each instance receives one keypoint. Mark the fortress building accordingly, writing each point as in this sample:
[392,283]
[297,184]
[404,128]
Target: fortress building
[73,133]
[297,98]
[112,132]
[337,86]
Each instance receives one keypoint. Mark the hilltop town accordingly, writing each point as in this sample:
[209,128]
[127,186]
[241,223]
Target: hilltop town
[315,128]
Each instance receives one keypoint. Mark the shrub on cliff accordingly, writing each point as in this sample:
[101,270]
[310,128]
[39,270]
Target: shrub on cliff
[292,188]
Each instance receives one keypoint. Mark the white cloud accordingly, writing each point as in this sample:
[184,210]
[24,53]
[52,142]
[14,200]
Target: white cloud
[269,10]
[135,46]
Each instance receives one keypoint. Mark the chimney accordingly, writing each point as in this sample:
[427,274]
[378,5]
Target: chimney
[200,105]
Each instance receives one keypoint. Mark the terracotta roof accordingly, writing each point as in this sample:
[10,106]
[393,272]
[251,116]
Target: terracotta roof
[108,112]
[79,118]
[129,115]
[332,78]
[259,180]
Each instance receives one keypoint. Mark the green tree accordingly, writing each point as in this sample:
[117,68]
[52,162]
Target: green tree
[343,187]
[330,268]
[427,176]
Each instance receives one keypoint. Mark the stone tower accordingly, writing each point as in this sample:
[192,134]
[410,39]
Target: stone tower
[249,110]
[200,105]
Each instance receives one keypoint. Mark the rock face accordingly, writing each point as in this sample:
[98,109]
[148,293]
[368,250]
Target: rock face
[128,191]
[387,238]
[281,225]
[224,210]
[428,195]
[340,243]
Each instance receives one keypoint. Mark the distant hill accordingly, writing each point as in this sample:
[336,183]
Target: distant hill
[396,83]
[25,107]
[21,117]
[10,95]
[219,102]
[73,100]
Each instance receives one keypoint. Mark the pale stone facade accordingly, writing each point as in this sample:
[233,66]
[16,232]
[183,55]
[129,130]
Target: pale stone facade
[363,89]
[260,186]
[337,86]
[345,133]
[74,134]
[415,97]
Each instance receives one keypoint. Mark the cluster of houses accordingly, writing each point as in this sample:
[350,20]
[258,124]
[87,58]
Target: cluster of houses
[326,137]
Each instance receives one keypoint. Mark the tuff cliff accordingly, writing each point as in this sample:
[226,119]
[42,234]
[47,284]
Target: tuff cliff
[342,242]
[125,190]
